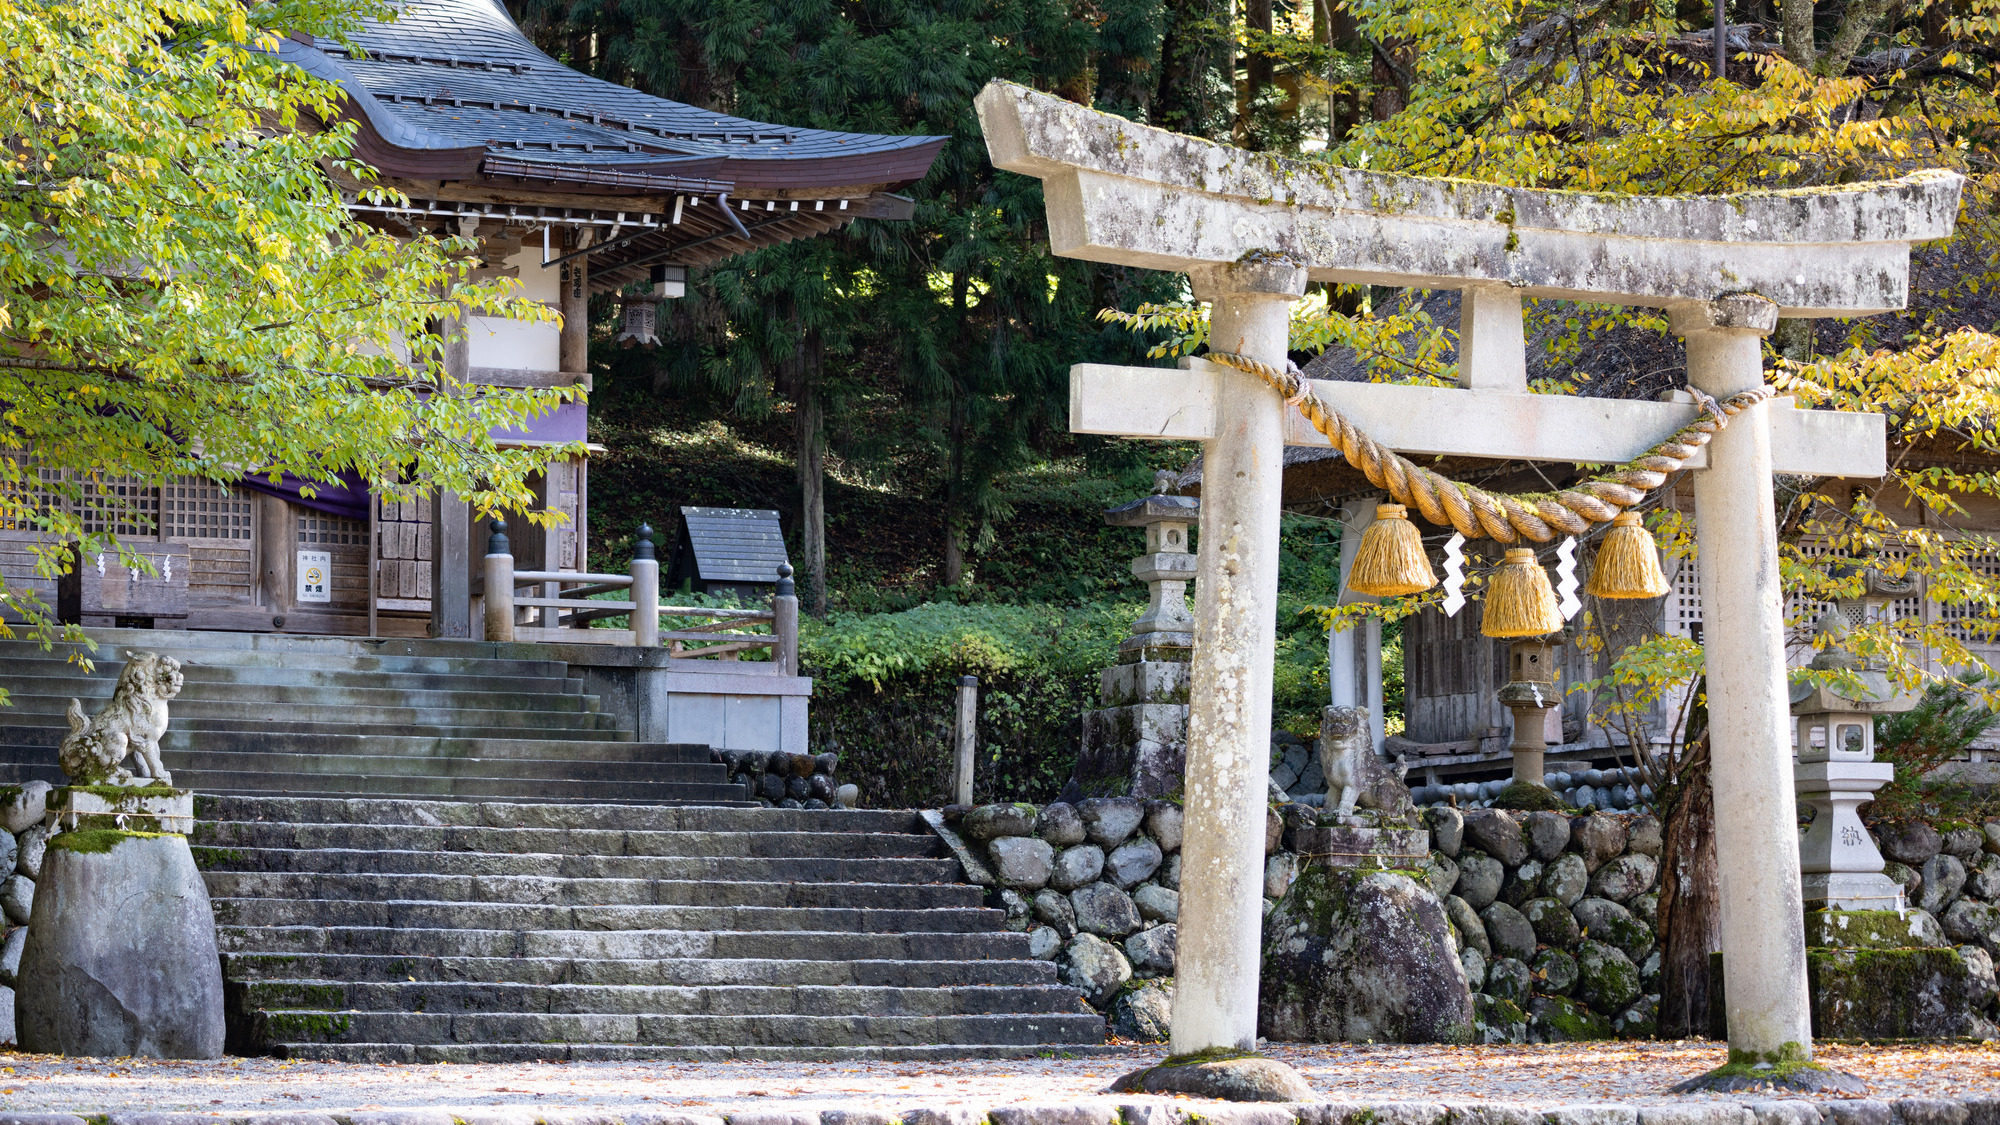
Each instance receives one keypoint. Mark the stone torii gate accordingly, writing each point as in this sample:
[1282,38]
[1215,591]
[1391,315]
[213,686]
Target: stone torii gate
[1250,230]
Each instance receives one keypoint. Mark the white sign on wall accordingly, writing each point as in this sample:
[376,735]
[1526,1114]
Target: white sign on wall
[315,576]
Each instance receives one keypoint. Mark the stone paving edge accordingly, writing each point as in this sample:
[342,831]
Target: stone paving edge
[1852,1111]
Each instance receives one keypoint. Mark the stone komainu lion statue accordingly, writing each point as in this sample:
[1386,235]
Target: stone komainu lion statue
[131,723]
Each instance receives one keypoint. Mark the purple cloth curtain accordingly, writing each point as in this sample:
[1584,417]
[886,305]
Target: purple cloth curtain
[349,499]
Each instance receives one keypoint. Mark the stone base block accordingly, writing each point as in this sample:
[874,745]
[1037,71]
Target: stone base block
[135,806]
[1136,751]
[121,958]
[1842,891]
[1144,681]
[1881,994]
[1349,845]
[1870,929]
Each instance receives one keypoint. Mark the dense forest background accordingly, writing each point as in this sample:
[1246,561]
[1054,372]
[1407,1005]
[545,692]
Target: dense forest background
[898,391]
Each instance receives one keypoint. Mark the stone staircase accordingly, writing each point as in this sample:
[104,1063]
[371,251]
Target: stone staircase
[377,930]
[328,717]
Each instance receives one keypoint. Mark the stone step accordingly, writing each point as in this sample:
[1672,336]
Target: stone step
[565,841]
[468,1053]
[531,890]
[384,694]
[270,912]
[679,971]
[784,1030]
[705,868]
[781,945]
[554,788]
[613,818]
[331,756]
[230,714]
[268,650]
[200,681]
[437,998]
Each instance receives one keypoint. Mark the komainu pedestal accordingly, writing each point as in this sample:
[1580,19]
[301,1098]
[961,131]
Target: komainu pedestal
[121,959]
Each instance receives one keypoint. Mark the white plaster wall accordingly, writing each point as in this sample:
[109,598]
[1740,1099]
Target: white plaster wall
[499,342]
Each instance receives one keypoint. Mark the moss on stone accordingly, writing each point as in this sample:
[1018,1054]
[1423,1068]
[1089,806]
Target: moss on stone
[1527,796]
[1780,1065]
[98,841]
[1208,1055]
[1859,929]
[120,792]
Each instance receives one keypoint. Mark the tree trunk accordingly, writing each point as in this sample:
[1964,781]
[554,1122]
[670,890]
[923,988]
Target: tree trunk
[1257,69]
[810,415]
[1797,17]
[1690,906]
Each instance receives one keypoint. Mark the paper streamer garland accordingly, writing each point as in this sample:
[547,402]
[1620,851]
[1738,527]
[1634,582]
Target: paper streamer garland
[1454,575]
[1566,570]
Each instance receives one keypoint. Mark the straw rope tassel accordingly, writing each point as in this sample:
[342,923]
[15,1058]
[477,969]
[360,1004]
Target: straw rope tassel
[1628,562]
[1520,602]
[1478,514]
[1391,558]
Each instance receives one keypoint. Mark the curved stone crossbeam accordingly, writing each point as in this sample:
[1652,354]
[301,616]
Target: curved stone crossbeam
[1128,194]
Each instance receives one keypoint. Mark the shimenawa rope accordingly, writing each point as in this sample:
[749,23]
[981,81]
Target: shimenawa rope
[1477,513]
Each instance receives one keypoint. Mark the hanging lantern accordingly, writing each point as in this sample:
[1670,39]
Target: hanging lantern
[1628,562]
[1520,602]
[638,323]
[1391,558]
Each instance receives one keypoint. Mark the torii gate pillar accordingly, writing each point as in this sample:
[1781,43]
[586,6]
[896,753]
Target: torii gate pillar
[1229,692]
[1749,704]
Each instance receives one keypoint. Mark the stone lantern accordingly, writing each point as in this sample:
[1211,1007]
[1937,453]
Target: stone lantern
[1135,743]
[1840,867]
[1531,692]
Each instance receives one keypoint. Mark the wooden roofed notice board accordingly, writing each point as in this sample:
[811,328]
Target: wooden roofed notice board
[728,550]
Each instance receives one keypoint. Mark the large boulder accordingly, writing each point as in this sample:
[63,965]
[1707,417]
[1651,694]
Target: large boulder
[1510,979]
[1152,951]
[1059,824]
[1163,824]
[33,844]
[17,899]
[1133,862]
[1480,877]
[1110,821]
[1554,924]
[1554,972]
[1022,862]
[1556,1019]
[10,955]
[1471,931]
[1144,1012]
[1566,878]
[1440,873]
[1548,834]
[1157,903]
[990,822]
[1609,922]
[1077,866]
[1964,844]
[1447,826]
[1498,834]
[1647,836]
[1911,843]
[1606,979]
[1984,881]
[1512,935]
[1104,910]
[1052,908]
[1626,877]
[1353,955]
[1598,838]
[1094,967]
[23,807]
[121,955]
[1944,876]
[1523,883]
[1969,920]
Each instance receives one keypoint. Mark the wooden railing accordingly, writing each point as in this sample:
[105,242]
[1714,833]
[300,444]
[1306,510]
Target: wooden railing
[569,602]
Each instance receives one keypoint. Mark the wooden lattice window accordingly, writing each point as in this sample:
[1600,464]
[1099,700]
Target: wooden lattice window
[120,506]
[194,508]
[333,530]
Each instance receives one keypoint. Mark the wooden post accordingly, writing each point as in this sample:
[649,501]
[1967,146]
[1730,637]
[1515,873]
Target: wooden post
[499,584]
[645,591]
[785,622]
[374,557]
[968,717]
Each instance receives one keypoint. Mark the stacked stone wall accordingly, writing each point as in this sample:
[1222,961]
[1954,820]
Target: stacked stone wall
[23,840]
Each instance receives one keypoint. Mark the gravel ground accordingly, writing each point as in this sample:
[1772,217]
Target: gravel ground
[1541,1076]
